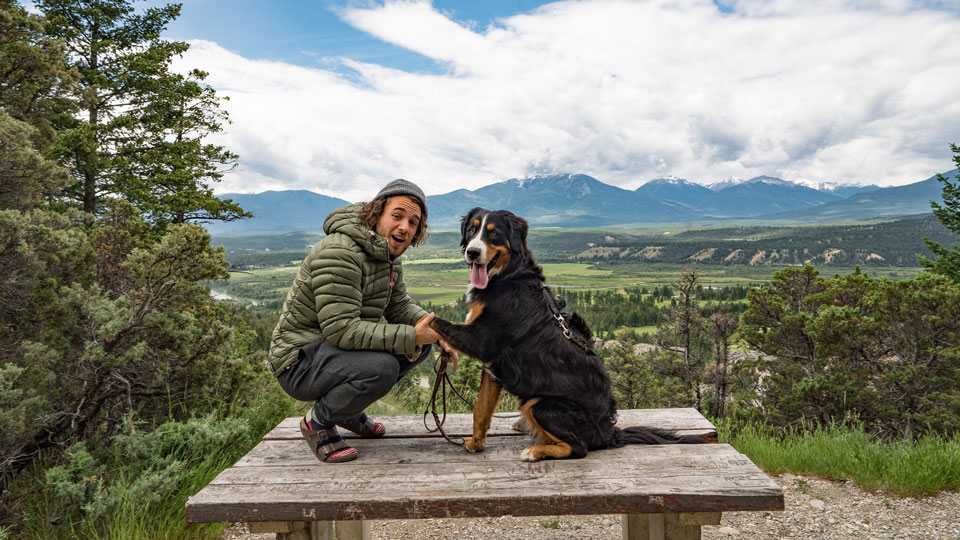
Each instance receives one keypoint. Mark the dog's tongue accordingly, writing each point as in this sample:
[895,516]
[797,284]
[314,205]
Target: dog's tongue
[478,275]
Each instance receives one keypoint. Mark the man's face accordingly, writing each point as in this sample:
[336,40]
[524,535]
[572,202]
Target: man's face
[398,223]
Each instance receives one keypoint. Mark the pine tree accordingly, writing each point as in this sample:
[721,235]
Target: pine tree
[33,80]
[102,317]
[32,84]
[684,332]
[722,327]
[642,379]
[948,259]
[141,134]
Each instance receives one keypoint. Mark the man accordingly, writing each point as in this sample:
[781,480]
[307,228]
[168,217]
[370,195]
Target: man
[330,345]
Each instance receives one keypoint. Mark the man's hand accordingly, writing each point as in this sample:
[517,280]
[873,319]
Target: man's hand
[425,334]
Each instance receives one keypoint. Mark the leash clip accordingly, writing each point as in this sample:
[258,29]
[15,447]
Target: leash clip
[563,327]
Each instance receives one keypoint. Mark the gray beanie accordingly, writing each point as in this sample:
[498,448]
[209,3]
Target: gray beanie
[405,187]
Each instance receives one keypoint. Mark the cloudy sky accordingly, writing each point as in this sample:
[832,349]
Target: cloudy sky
[339,98]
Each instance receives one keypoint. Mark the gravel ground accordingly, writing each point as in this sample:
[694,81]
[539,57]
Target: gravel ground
[815,508]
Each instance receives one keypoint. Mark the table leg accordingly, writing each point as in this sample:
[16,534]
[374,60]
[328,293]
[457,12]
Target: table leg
[295,530]
[642,526]
[321,530]
[681,526]
[353,530]
[314,530]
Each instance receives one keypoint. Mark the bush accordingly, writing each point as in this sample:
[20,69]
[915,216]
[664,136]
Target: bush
[136,485]
[880,351]
[140,466]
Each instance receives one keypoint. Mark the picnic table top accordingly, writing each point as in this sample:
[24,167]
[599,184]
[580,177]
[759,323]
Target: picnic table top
[411,473]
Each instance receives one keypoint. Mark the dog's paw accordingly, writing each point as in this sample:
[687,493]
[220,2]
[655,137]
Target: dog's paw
[473,445]
[527,455]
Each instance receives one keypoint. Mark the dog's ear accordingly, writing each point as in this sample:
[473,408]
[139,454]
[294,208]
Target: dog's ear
[518,230]
[465,224]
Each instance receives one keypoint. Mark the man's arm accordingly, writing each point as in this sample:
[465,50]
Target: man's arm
[335,278]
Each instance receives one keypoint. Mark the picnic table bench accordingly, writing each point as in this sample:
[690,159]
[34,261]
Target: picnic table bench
[662,491]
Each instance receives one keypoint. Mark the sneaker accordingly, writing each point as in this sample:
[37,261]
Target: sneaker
[365,427]
[327,444]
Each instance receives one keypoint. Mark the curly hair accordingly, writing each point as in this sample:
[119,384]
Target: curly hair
[371,211]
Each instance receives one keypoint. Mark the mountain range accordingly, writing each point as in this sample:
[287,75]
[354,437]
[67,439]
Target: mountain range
[278,211]
[579,200]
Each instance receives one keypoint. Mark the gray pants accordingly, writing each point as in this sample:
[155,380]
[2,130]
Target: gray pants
[343,383]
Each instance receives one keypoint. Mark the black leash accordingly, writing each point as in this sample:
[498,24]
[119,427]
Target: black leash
[558,314]
[440,384]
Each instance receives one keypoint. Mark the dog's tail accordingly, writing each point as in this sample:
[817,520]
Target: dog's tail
[650,435]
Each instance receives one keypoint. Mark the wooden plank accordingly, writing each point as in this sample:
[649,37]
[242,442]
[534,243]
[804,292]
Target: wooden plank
[432,450]
[686,420]
[728,472]
[294,504]
[631,480]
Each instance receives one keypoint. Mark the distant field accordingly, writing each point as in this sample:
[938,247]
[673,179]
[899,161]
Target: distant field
[435,271]
[443,280]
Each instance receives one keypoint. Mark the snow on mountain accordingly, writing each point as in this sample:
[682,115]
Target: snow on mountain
[724,184]
[670,179]
[842,189]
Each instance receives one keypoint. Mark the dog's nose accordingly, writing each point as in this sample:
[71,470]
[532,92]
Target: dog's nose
[473,253]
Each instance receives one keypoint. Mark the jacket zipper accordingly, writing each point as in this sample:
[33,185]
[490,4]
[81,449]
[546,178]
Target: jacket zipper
[389,287]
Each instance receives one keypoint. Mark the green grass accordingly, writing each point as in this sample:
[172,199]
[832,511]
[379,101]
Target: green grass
[133,519]
[130,518]
[550,523]
[921,467]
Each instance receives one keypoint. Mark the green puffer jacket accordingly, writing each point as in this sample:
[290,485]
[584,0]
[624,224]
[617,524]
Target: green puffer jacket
[342,291]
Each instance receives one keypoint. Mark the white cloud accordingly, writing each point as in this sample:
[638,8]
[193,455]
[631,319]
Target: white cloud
[623,91]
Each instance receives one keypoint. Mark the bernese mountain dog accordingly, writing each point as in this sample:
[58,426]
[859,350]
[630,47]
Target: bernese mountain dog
[565,396]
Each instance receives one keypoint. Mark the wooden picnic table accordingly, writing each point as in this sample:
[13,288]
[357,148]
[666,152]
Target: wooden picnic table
[662,491]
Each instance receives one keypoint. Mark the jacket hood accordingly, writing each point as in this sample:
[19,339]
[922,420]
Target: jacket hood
[346,220]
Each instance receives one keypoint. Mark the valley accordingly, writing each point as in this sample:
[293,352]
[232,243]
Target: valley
[263,266]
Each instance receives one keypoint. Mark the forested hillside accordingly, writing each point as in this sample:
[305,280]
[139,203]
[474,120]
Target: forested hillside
[121,379]
[892,243]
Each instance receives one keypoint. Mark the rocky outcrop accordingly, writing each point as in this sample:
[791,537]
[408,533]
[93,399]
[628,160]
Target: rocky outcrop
[650,252]
[598,253]
[780,257]
[703,255]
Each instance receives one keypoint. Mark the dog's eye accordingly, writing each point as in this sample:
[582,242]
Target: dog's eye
[493,234]
[471,230]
